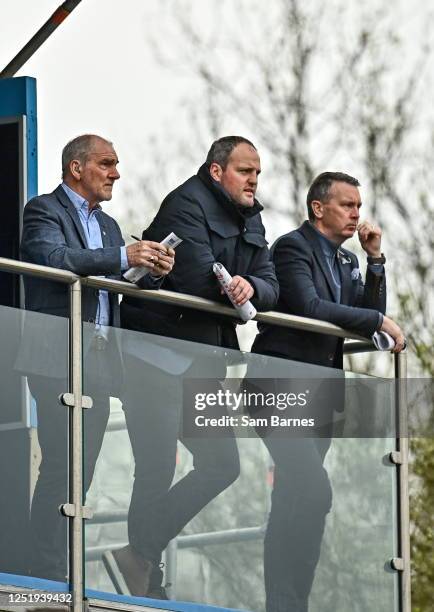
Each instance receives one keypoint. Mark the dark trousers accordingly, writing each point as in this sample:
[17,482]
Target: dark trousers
[301,499]
[159,509]
[302,495]
[48,526]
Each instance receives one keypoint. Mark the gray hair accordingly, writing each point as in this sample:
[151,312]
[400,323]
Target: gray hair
[222,148]
[79,148]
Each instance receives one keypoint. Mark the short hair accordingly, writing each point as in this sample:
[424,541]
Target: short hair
[222,148]
[320,188]
[79,148]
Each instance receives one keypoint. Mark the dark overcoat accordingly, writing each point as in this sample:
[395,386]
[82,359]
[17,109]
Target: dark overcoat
[213,229]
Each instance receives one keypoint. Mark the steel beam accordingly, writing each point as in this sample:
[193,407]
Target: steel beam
[76,527]
[403,488]
[59,15]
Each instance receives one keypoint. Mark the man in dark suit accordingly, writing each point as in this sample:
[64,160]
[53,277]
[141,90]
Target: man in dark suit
[318,279]
[216,214]
[67,229]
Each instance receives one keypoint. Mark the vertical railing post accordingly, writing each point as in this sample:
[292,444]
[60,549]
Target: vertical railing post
[171,558]
[76,527]
[404,504]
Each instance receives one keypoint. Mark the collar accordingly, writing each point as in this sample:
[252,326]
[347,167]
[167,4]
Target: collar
[328,247]
[80,203]
[240,213]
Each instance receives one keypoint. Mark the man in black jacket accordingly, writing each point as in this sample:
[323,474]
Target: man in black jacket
[318,279]
[218,218]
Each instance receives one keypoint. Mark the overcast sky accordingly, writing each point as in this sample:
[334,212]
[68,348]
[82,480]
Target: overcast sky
[94,74]
[97,73]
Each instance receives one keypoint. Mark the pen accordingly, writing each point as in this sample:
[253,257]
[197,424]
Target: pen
[139,239]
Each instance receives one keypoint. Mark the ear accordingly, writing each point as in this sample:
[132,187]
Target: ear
[216,172]
[75,169]
[317,208]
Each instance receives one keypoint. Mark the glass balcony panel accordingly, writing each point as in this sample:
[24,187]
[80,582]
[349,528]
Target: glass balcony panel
[34,446]
[333,527]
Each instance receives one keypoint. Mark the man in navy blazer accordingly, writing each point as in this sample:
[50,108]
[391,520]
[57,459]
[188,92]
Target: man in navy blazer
[67,229]
[321,280]
[318,279]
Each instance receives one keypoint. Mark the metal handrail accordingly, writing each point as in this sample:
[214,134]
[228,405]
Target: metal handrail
[22,267]
[77,512]
[179,299]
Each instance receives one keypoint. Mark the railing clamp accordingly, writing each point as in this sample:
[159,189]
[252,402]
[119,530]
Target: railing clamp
[397,563]
[69,510]
[396,457]
[67,399]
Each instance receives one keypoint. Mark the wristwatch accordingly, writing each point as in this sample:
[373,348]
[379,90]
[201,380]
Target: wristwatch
[377,260]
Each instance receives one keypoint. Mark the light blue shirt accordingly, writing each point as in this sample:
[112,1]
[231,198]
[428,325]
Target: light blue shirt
[92,231]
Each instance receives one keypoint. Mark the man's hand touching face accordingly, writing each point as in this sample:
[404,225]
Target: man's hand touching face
[370,238]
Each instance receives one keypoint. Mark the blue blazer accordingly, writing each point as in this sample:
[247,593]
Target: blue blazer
[53,236]
[307,290]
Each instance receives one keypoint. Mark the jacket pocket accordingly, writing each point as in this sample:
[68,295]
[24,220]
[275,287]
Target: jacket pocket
[255,239]
[223,229]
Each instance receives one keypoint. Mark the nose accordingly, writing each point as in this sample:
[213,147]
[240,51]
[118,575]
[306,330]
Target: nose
[115,174]
[253,178]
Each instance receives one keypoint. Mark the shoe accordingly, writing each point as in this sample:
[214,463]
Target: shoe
[129,572]
[157,592]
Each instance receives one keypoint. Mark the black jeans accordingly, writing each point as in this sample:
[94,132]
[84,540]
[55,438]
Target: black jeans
[153,411]
[48,527]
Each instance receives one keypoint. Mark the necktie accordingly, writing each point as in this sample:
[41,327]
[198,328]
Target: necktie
[333,264]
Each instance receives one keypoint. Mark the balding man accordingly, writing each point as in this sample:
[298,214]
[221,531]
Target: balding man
[67,229]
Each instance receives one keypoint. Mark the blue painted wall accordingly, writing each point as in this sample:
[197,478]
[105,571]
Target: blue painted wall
[18,97]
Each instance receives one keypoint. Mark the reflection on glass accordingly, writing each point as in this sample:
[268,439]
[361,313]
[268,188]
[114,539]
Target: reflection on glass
[218,556]
[34,444]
